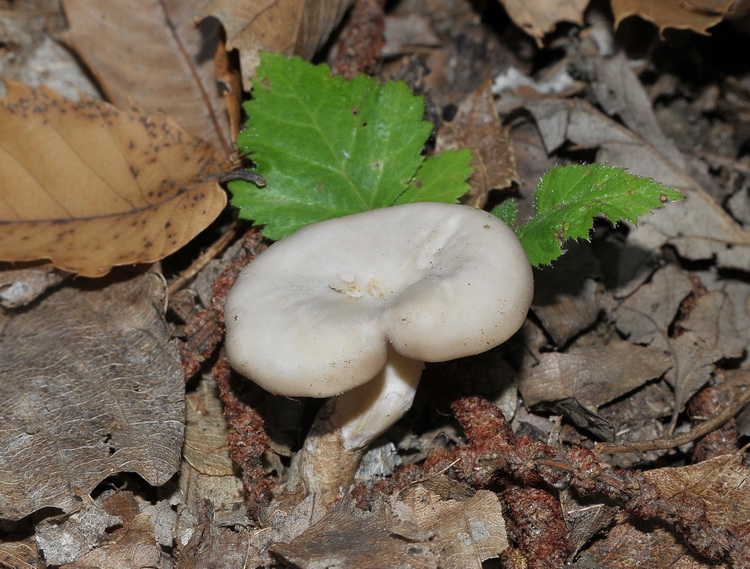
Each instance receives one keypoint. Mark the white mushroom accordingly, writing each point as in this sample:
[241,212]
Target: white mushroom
[352,307]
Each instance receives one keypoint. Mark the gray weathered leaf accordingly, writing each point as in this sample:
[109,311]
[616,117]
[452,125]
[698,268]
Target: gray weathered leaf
[91,386]
[594,375]
[706,334]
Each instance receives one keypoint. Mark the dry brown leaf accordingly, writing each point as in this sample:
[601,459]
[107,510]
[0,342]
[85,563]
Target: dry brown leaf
[406,32]
[162,57]
[91,386]
[532,161]
[214,546]
[206,448]
[132,544]
[208,480]
[721,485]
[19,286]
[465,532]
[620,93]
[31,55]
[230,80]
[20,554]
[199,491]
[541,16]
[739,293]
[577,382]
[631,545]
[583,417]
[696,15]
[647,314]
[350,537]
[709,335]
[640,417]
[566,296]
[584,520]
[291,27]
[478,126]
[594,375]
[650,404]
[90,187]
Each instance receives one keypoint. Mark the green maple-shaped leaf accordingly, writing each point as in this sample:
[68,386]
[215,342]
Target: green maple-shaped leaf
[567,199]
[329,147]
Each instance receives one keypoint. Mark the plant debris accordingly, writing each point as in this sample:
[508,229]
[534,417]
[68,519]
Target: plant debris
[611,431]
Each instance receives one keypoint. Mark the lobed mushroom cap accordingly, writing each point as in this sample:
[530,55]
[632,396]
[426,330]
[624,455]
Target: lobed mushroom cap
[314,314]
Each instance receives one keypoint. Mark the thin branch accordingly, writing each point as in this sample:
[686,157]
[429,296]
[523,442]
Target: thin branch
[196,266]
[678,439]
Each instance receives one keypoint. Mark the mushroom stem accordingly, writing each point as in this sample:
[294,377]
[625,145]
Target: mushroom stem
[349,422]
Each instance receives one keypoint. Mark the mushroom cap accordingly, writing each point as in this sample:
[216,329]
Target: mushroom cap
[314,314]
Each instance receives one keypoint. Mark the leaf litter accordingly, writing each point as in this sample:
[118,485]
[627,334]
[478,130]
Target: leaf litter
[628,330]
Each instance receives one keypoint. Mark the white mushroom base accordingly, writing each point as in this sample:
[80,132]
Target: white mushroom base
[348,423]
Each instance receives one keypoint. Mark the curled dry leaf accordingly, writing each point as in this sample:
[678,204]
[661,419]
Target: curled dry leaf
[696,15]
[291,27]
[90,187]
[541,16]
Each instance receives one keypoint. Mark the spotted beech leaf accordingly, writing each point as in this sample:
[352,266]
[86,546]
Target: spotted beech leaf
[87,186]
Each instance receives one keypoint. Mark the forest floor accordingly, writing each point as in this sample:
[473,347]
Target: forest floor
[607,433]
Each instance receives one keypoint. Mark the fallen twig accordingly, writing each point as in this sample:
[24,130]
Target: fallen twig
[210,253]
[681,438]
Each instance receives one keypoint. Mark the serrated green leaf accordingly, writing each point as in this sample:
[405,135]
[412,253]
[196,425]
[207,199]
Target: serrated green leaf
[440,178]
[329,147]
[507,211]
[568,198]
